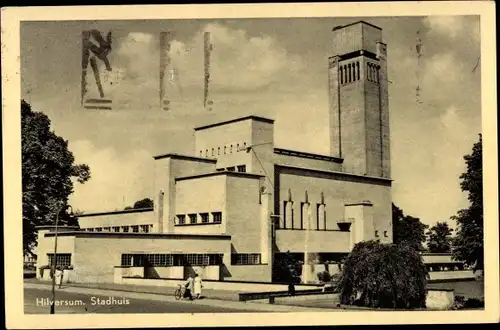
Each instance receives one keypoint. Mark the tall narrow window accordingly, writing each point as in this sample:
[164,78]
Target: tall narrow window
[181,219]
[341,75]
[242,168]
[237,147]
[212,152]
[218,150]
[377,75]
[201,153]
[193,218]
[345,74]
[225,150]
[206,152]
[357,70]
[231,149]
[350,72]
[368,72]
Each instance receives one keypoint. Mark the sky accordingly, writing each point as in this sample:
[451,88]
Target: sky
[275,68]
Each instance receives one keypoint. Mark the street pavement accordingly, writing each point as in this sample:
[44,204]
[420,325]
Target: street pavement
[78,300]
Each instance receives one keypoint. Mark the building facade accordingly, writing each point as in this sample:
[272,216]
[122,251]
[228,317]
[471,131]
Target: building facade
[238,202]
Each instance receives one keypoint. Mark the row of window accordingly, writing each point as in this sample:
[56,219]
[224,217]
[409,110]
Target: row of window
[194,218]
[62,259]
[287,222]
[226,150]
[245,259]
[123,229]
[155,260]
[190,259]
[351,72]
[239,168]
[372,72]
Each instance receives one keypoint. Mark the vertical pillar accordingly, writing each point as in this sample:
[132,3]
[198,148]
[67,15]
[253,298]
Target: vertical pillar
[361,217]
[334,73]
[265,234]
[321,216]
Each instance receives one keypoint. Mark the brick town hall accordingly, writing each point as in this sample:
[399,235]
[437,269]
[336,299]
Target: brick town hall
[237,200]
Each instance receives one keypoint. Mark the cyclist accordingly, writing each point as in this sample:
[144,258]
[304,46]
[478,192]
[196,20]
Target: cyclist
[189,288]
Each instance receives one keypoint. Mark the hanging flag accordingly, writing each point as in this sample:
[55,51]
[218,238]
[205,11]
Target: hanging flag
[165,61]
[94,48]
[207,47]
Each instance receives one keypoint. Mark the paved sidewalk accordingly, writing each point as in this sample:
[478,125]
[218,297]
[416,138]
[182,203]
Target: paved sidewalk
[161,290]
[160,297]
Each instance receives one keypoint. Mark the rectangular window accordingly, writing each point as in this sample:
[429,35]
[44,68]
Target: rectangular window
[135,229]
[225,148]
[125,229]
[221,169]
[107,229]
[144,228]
[218,150]
[126,260]
[181,219]
[212,152]
[98,229]
[193,218]
[90,229]
[237,147]
[116,229]
[231,169]
[242,168]
[245,259]
[204,217]
[217,217]
[62,259]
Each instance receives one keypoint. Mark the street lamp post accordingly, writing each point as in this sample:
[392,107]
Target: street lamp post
[54,261]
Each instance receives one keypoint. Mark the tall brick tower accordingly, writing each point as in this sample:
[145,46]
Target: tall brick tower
[358,90]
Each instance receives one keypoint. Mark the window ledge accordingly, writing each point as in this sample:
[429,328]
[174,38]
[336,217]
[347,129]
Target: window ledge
[197,224]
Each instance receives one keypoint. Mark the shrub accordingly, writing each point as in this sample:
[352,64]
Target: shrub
[383,275]
[324,276]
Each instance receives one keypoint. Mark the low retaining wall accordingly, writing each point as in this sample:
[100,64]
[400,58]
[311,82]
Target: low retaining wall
[452,275]
[216,285]
[287,300]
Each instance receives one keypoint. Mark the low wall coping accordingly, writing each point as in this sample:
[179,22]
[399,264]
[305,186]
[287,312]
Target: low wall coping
[231,281]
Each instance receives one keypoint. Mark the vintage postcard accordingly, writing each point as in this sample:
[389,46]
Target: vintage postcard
[243,165]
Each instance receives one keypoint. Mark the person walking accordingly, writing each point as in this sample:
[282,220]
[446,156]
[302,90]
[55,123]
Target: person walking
[198,285]
[189,288]
[58,276]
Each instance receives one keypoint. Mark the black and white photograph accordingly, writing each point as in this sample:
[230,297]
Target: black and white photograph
[250,164]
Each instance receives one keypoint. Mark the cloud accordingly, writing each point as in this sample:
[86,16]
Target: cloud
[117,180]
[453,26]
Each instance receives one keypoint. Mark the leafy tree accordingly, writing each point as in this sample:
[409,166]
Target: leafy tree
[141,204]
[47,171]
[407,229]
[439,238]
[286,268]
[383,275]
[468,243]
